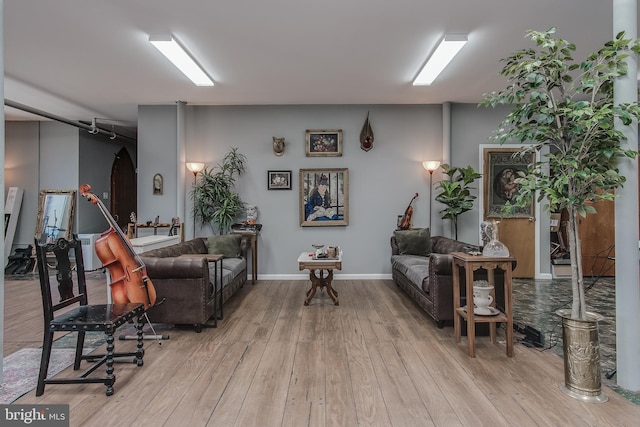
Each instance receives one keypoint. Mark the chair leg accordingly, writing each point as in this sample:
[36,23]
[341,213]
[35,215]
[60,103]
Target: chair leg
[140,345]
[110,378]
[44,362]
[79,349]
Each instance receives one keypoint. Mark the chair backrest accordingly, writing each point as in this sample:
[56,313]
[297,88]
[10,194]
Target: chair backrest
[68,263]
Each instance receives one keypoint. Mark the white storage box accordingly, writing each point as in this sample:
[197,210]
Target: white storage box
[91,260]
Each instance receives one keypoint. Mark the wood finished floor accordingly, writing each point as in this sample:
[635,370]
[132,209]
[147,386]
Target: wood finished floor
[376,359]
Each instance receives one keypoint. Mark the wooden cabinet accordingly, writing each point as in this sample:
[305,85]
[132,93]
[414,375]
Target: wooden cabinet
[597,234]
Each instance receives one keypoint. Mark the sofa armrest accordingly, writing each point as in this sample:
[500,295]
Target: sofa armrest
[176,268]
[440,264]
[394,246]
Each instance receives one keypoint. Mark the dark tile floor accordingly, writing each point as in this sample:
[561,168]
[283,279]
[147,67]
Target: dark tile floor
[535,303]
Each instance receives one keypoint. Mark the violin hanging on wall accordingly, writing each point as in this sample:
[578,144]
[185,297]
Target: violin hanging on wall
[129,280]
[405,223]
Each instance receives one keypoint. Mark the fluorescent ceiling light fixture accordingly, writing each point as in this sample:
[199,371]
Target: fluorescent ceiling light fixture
[181,59]
[444,53]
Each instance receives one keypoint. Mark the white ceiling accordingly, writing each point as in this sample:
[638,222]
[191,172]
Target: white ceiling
[84,59]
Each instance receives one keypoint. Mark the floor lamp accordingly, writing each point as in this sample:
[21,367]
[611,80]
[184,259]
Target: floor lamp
[195,168]
[431,166]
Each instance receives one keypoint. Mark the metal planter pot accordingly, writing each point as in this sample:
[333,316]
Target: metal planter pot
[581,348]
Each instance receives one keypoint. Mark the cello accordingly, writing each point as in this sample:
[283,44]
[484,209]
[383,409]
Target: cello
[129,280]
[405,223]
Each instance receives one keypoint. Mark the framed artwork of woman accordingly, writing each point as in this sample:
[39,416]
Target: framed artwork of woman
[324,197]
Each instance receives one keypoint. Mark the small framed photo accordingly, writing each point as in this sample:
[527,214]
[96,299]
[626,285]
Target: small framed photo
[324,143]
[324,197]
[279,180]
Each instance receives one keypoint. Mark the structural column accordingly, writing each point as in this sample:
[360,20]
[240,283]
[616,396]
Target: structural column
[446,158]
[181,167]
[626,219]
[2,179]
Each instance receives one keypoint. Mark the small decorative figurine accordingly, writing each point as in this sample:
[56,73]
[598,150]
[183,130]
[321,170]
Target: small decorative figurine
[366,135]
[278,145]
[252,214]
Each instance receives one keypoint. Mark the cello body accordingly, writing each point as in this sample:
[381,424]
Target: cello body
[129,281]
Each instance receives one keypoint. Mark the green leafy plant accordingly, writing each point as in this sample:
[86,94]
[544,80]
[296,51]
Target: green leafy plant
[215,201]
[566,108]
[456,192]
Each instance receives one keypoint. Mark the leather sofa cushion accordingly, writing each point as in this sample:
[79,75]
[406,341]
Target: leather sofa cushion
[194,246]
[227,245]
[415,268]
[231,268]
[414,242]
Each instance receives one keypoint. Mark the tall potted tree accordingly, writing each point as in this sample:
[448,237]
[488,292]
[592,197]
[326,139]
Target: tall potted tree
[456,192]
[215,201]
[567,108]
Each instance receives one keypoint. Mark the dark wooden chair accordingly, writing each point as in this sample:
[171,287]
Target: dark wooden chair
[72,313]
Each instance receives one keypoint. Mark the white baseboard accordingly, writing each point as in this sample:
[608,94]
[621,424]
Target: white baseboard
[336,276]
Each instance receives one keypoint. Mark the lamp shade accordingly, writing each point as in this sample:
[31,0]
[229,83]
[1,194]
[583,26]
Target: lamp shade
[431,165]
[195,167]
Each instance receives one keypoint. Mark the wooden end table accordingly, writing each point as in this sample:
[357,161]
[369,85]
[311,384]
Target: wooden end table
[306,260]
[471,263]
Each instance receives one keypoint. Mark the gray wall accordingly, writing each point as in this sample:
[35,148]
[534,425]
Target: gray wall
[21,168]
[471,126]
[38,156]
[52,155]
[96,157]
[157,152]
[381,181]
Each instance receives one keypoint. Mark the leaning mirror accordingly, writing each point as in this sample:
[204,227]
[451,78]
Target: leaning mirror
[55,215]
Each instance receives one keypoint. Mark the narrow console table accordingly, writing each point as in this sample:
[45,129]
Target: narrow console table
[252,234]
[471,263]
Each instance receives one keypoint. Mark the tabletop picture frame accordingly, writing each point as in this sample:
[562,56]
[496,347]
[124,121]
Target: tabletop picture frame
[278,180]
[324,197]
[323,143]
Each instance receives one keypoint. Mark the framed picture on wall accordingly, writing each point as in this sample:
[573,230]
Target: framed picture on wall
[324,197]
[279,180]
[158,185]
[324,143]
[501,168]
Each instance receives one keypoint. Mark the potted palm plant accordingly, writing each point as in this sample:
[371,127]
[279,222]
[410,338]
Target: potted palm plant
[565,110]
[456,192]
[215,201]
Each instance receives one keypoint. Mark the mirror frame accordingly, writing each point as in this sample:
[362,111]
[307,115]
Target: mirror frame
[64,224]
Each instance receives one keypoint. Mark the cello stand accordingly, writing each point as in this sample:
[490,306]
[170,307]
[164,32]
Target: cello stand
[155,336]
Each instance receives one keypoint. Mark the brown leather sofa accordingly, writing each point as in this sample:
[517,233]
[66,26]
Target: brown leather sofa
[185,286]
[429,279]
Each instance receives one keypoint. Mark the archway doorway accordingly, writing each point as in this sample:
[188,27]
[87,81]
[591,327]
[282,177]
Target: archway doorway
[124,190]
